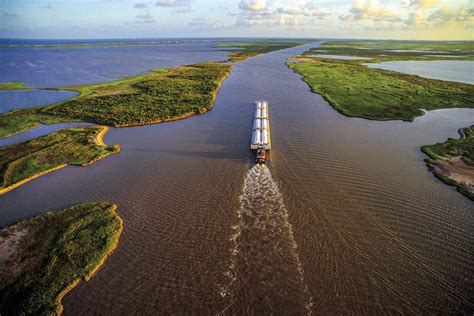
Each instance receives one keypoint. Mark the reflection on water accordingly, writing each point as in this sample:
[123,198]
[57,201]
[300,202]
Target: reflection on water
[449,70]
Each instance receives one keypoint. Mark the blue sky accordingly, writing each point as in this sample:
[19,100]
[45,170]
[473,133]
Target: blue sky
[397,19]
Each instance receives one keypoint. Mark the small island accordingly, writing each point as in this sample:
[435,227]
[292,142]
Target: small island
[159,96]
[453,161]
[25,161]
[356,90]
[44,257]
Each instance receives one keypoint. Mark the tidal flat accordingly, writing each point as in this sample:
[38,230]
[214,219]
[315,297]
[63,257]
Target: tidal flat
[453,161]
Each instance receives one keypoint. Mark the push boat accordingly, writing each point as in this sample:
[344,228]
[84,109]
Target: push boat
[260,141]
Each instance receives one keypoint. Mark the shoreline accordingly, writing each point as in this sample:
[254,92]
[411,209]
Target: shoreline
[450,167]
[70,287]
[171,119]
[440,169]
[179,117]
[99,141]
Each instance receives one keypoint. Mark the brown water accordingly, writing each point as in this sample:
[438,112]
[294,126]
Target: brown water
[345,220]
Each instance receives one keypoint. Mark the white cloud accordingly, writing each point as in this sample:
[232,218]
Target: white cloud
[415,19]
[253,5]
[145,18]
[281,13]
[140,5]
[370,10]
[203,23]
[424,3]
[172,3]
[452,16]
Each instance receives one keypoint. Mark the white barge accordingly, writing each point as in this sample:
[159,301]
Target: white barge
[261,131]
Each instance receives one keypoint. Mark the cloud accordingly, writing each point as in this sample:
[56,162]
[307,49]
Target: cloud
[370,10]
[253,5]
[415,19]
[452,16]
[269,19]
[203,23]
[301,9]
[290,13]
[423,3]
[9,15]
[172,3]
[145,18]
[140,5]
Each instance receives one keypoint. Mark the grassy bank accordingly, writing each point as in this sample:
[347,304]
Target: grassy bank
[250,49]
[398,50]
[51,253]
[453,161]
[13,86]
[356,90]
[28,160]
[162,95]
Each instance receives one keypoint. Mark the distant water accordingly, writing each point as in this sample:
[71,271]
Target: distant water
[19,99]
[342,57]
[49,67]
[449,70]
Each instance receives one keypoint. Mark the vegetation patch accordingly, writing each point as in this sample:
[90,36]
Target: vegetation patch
[381,51]
[162,95]
[14,86]
[356,90]
[250,49]
[22,162]
[453,161]
[44,257]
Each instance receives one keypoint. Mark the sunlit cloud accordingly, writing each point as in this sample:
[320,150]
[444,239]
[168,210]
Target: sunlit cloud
[172,3]
[411,19]
[370,10]
[253,5]
[424,3]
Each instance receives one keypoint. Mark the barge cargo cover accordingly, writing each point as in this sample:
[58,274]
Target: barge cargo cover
[261,127]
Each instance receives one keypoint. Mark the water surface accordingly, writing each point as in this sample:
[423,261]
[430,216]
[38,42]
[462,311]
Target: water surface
[449,70]
[346,215]
[342,57]
[50,67]
[20,99]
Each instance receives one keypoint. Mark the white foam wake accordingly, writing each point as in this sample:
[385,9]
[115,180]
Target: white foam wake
[265,272]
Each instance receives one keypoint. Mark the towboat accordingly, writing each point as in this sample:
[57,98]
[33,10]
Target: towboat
[261,131]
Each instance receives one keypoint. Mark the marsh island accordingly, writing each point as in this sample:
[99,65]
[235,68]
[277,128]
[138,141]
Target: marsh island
[46,256]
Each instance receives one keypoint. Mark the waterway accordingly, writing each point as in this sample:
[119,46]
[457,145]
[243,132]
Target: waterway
[342,57]
[449,70]
[20,99]
[345,219]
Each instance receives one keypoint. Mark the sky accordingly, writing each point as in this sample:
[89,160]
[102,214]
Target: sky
[382,19]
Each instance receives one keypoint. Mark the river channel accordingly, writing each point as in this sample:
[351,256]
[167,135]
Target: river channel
[355,225]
